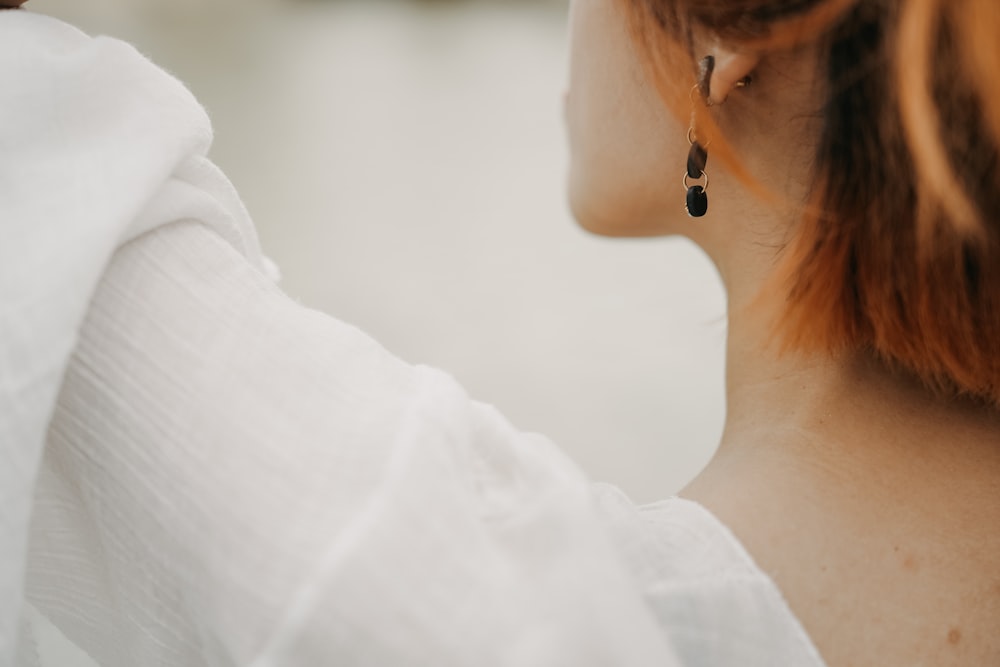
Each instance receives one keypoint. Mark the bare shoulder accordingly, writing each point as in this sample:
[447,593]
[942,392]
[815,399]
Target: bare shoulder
[881,581]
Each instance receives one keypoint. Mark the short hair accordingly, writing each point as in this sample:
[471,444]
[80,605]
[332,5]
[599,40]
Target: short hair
[897,252]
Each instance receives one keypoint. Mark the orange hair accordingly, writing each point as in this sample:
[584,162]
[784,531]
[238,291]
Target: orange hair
[898,251]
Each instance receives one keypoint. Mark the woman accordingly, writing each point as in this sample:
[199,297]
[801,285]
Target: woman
[860,463]
[225,478]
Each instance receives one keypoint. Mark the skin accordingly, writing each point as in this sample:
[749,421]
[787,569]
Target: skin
[11,4]
[873,504]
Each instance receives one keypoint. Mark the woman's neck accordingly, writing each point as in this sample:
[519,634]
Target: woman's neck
[851,418]
[837,471]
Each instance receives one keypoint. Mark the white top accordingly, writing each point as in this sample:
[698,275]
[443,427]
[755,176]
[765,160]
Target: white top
[195,470]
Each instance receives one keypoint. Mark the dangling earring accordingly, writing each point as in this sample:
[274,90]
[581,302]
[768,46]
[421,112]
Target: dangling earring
[697,197]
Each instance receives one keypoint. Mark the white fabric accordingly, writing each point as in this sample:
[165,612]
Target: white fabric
[710,598]
[231,479]
[96,146]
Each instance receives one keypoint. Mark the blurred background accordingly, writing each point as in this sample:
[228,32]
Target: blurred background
[404,163]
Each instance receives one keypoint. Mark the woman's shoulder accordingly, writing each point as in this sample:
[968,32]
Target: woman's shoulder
[708,594]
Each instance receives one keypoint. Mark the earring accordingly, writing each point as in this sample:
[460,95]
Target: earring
[697,199]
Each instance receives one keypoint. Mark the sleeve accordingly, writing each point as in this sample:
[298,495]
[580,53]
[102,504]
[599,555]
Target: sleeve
[233,479]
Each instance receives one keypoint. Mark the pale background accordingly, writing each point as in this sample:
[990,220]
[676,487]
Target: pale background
[404,163]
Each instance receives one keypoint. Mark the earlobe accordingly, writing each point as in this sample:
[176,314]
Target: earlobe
[732,70]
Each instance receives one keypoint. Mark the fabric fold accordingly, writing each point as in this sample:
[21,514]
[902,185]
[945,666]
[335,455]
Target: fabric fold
[90,133]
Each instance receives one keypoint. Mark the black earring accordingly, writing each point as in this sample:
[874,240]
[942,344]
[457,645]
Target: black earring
[697,197]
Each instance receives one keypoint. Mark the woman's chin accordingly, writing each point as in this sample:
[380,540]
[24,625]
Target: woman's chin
[617,216]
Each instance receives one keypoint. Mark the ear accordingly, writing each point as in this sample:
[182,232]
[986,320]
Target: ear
[731,68]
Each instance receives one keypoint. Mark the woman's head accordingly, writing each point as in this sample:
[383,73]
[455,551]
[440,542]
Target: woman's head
[863,158]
